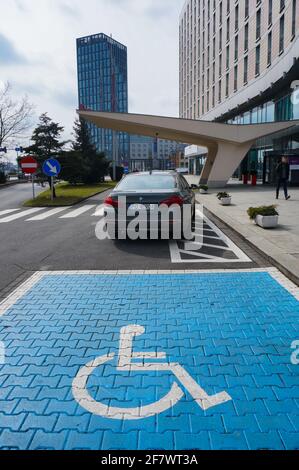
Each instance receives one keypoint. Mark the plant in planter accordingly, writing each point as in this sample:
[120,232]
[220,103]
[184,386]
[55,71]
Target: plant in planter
[203,189]
[264,216]
[224,198]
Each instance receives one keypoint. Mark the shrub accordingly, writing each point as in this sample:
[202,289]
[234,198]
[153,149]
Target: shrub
[263,210]
[222,195]
[204,187]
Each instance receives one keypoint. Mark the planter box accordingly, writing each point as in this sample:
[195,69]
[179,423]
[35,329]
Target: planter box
[203,191]
[267,221]
[226,201]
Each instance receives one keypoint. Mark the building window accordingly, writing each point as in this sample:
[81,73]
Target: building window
[245,70]
[281,35]
[227,57]
[220,13]
[220,39]
[282,4]
[258,24]
[270,12]
[213,97]
[227,7]
[236,78]
[246,9]
[220,65]
[237,17]
[236,48]
[246,36]
[220,91]
[227,85]
[269,55]
[294,12]
[258,60]
[228,30]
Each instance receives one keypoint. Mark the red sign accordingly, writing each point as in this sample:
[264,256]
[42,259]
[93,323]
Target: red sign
[29,165]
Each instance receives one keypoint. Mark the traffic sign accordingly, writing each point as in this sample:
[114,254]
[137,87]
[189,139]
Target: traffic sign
[29,165]
[51,167]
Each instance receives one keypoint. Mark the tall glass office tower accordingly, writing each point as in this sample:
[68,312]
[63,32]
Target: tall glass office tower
[103,86]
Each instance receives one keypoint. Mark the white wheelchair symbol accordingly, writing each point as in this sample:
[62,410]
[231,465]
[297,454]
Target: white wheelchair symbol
[125,357]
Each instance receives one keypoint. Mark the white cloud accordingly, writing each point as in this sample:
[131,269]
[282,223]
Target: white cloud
[43,34]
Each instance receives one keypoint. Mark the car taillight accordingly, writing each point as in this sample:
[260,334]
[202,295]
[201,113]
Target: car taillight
[173,200]
[111,202]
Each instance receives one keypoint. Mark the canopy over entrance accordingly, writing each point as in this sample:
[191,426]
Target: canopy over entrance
[227,144]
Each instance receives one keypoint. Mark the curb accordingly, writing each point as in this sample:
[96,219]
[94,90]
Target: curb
[75,203]
[293,277]
[13,183]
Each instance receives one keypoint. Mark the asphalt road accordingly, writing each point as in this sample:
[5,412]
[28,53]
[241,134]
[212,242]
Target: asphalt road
[13,196]
[70,244]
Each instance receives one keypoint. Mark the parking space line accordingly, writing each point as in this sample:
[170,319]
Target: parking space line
[190,252]
[25,287]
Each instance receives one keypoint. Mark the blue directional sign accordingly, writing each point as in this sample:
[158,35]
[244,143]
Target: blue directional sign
[51,167]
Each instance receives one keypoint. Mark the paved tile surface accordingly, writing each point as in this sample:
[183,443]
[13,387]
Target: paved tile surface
[230,332]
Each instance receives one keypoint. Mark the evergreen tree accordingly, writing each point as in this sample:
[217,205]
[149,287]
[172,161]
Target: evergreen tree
[46,138]
[94,164]
[46,141]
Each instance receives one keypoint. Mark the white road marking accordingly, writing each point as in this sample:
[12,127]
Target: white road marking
[125,358]
[77,212]
[8,211]
[192,254]
[26,287]
[20,215]
[46,214]
[99,211]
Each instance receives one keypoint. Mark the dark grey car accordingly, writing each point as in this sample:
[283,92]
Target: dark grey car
[152,189]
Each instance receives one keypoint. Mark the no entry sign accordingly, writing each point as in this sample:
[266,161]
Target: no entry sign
[29,165]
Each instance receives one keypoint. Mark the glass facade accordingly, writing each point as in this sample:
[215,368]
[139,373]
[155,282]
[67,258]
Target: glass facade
[285,108]
[103,86]
[265,155]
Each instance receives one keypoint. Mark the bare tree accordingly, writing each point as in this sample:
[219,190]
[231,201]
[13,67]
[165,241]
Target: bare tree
[14,114]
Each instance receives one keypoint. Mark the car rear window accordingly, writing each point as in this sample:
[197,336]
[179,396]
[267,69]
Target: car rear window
[147,182]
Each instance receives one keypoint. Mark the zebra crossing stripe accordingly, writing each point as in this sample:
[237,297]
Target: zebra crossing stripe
[46,214]
[8,211]
[77,212]
[20,215]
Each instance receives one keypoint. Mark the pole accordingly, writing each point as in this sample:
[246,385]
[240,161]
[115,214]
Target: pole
[114,155]
[52,188]
[33,189]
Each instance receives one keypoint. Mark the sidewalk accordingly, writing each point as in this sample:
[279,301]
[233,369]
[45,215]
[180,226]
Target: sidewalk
[281,245]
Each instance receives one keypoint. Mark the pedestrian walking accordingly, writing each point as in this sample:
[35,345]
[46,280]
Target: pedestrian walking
[283,175]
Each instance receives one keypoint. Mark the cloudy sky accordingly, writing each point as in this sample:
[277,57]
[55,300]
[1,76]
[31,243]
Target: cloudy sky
[38,54]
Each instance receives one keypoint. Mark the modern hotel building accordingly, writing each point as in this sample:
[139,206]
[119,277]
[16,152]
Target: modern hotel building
[239,63]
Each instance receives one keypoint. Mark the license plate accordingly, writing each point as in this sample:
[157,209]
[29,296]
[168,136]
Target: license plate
[140,207]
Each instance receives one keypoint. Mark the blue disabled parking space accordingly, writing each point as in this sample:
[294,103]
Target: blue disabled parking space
[150,361]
